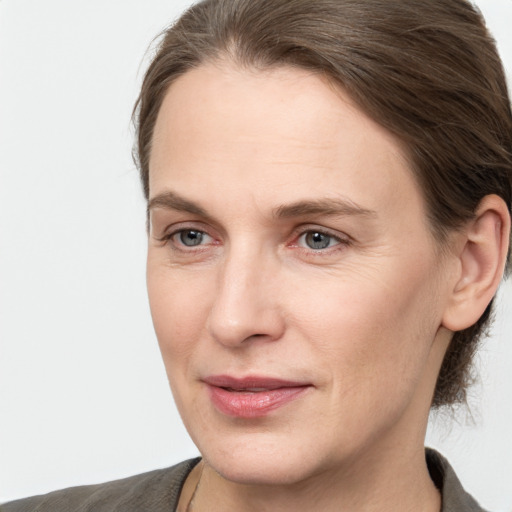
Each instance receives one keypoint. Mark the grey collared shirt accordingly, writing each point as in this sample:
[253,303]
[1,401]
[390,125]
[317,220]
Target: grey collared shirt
[454,497]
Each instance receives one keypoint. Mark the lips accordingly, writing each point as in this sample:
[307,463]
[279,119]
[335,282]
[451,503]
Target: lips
[252,397]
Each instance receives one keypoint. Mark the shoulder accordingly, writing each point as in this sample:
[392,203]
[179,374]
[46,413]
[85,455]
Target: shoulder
[157,490]
[454,497]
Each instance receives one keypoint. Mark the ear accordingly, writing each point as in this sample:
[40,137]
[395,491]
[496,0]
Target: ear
[481,262]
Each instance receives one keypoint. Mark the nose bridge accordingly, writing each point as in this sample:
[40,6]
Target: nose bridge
[244,306]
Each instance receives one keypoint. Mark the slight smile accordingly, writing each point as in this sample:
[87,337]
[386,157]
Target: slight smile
[252,397]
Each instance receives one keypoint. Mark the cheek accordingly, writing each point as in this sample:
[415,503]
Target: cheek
[178,314]
[375,328]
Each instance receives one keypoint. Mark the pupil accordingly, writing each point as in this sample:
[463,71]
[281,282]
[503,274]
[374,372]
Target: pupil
[317,240]
[191,238]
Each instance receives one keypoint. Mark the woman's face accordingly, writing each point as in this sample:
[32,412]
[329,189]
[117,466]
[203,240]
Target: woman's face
[295,288]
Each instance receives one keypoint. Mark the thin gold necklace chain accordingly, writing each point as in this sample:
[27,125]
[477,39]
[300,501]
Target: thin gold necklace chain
[189,505]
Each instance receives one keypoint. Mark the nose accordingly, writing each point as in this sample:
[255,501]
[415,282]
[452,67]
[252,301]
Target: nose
[246,305]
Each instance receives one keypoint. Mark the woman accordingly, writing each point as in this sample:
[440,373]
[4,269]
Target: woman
[329,191]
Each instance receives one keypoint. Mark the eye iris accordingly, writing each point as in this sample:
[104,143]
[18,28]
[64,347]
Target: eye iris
[190,238]
[316,240]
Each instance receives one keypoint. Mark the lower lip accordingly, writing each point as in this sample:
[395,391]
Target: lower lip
[244,404]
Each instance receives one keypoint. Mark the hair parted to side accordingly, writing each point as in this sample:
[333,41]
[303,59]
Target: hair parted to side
[427,71]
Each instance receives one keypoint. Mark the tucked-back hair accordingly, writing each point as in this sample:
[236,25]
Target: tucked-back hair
[426,70]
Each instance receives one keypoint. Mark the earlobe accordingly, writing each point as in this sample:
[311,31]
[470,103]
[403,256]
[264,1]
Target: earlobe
[482,260]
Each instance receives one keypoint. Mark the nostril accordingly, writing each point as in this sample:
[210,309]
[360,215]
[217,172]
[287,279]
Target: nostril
[254,337]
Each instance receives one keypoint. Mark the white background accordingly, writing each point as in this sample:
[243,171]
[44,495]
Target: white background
[83,394]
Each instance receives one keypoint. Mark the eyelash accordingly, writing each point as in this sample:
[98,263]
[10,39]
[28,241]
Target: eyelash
[340,242]
[167,239]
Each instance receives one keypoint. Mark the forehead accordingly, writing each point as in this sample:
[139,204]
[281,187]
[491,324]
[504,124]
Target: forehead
[270,133]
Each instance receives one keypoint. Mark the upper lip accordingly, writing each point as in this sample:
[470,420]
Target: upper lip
[251,382]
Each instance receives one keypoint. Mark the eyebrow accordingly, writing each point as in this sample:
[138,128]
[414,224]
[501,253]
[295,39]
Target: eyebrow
[324,206]
[172,201]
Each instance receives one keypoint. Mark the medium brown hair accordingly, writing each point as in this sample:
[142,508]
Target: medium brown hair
[426,70]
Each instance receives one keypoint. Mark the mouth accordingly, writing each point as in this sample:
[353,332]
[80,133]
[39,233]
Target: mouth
[252,397]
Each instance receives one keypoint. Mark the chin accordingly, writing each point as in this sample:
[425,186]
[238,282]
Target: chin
[262,462]
[256,471]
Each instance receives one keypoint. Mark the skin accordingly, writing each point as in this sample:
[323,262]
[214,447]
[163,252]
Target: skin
[361,321]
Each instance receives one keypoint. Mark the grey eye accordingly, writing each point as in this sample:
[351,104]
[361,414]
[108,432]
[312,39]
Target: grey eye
[191,237]
[316,240]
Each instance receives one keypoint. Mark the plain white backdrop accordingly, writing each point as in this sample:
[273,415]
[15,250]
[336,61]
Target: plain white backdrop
[83,393]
